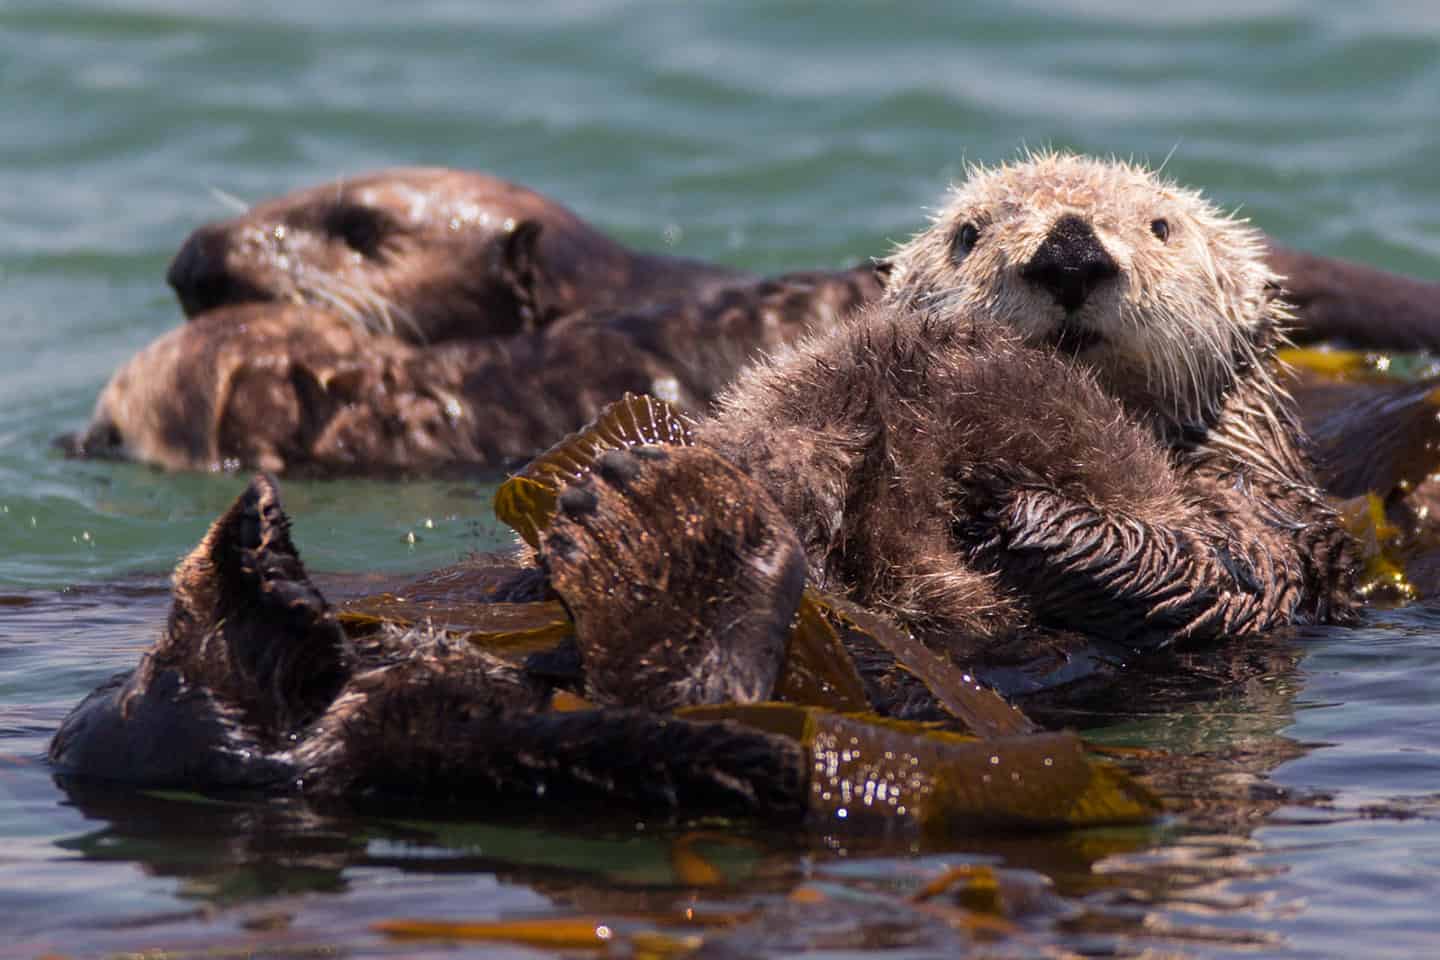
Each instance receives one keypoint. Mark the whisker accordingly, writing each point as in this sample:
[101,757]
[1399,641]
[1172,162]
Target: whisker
[229,200]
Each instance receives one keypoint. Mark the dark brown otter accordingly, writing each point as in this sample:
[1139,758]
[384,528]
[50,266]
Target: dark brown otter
[255,684]
[297,387]
[426,254]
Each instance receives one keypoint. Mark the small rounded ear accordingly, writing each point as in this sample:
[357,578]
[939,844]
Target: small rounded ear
[883,267]
[522,273]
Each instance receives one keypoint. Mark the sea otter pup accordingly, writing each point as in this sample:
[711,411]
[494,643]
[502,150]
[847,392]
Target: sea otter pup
[1062,414]
[427,254]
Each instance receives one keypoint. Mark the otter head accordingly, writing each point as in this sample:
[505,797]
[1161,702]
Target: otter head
[1164,296]
[424,253]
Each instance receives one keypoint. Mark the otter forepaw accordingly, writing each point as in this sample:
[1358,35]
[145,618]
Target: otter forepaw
[682,575]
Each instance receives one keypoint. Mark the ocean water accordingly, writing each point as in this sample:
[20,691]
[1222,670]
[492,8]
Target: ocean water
[769,135]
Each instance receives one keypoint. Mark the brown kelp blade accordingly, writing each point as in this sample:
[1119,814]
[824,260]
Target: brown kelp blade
[526,502]
[639,936]
[818,671]
[982,711]
[1383,551]
[870,772]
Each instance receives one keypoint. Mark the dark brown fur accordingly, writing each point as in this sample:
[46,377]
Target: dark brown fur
[428,254]
[255,684]
[1347,302]
[293,387]
[724,612]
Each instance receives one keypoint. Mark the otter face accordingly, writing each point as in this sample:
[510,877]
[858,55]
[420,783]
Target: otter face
[1149,284]
[423,253]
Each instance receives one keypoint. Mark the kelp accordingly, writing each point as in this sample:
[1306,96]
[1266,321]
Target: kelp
[1331,364]
[637,936]
[980,710]
[1383,551]
[817,670]
[558,933]
[1374,420]
[868,772]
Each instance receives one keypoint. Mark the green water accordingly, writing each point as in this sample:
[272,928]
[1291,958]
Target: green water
[770,135]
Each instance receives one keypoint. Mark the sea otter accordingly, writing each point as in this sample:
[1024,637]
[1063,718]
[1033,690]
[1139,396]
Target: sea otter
[1063,413]
[298,387]
[427,254]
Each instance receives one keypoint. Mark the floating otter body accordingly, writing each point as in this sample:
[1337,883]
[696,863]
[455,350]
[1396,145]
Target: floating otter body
[255,684]
[297,387]
[427,254]
[1063,414]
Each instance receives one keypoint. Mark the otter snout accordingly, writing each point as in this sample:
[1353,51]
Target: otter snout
[200,274]
[1070,263]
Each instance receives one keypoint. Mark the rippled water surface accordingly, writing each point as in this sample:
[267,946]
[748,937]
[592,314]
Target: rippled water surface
[770,135]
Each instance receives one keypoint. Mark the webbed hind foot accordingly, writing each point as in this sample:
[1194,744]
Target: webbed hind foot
[248,624]
[682,575]
[251,653]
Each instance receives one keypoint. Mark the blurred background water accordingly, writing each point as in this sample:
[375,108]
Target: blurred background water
[770,135]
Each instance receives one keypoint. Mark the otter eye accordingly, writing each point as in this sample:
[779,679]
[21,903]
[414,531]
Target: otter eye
[965,239]
[361,228]
[1161,229]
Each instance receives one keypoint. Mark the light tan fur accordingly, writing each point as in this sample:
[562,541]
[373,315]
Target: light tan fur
[1183,312]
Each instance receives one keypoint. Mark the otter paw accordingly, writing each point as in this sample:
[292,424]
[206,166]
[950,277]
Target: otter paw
[682,576]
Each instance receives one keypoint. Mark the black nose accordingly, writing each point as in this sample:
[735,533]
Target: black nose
[1070,264]
[198,274]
